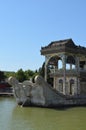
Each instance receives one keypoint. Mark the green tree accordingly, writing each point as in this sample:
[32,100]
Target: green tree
[20,75]
[41,70]
[29,73]
[42,73]
[2,76]
[9,73]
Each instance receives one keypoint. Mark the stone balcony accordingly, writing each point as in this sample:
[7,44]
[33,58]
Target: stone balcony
[72,72]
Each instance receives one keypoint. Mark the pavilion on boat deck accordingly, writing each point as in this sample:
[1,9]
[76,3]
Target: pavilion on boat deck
[67,66]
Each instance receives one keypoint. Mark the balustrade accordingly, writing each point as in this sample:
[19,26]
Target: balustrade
[67,72]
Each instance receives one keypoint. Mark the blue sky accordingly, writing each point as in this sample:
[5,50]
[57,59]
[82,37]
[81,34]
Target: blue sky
[26,25]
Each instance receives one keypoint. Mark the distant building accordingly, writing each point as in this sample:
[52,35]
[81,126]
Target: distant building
[67,64]
[5,87]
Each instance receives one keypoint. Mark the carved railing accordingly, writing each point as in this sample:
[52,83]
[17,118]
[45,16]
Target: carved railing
[61,72]
[56,71]
[67,72]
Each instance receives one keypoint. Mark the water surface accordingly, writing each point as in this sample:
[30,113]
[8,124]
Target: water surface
[13,117]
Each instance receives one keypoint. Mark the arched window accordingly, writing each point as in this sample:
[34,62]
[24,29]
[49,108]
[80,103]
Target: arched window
[72,81]
[60,64]
[71,86]
[61,85]
[70,59]
[70,62]
[55,62]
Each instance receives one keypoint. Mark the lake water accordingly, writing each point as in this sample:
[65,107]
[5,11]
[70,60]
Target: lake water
[13,117]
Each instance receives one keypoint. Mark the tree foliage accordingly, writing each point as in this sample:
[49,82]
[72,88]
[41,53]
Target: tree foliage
[42,73]
[41,70]
[9,73]
[20,75]
[29,74]
[2,76]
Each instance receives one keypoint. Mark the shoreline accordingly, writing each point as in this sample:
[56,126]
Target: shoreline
[6,94]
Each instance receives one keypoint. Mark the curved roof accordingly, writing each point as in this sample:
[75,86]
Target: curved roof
[62,42]
[66,45]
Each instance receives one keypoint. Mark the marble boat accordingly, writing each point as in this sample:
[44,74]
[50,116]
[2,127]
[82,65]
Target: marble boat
[41,94]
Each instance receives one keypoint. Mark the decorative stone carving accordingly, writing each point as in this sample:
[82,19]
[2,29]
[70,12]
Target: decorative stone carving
[28,92]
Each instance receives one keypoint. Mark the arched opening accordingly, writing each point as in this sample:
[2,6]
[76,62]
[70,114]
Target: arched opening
[70,63]
[60,66]
[61,85]
[55,62]
[83,65]
[71,86]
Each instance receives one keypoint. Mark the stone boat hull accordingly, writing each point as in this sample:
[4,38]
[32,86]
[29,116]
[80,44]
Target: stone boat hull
[41,94]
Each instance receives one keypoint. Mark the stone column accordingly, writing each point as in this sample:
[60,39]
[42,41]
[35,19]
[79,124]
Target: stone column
[77,69]
[78,86]
[46,64]
[64,74]
[70,66]
[77,64]
[54,83]
[45,72]
[45,67]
